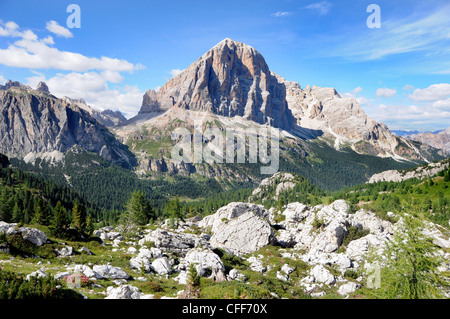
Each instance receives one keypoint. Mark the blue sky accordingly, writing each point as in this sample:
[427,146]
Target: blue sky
[400,72]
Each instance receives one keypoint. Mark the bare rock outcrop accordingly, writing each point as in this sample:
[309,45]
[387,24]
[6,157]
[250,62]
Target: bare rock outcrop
[240,228]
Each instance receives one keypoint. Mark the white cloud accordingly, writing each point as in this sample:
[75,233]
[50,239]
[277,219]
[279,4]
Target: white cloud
[434,92]
[2,79]
[386,92]
[360,99]
[321,7]
[408,87]
[442,104]
[94,89]
[11,25]
[95,79]
[31,52]
[420,117]
[175,72]
[426,33]
[363,100]
[357,90]
[280,14]
[55,28]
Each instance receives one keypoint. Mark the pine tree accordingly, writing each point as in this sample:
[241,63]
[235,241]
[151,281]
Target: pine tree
[193,283]
[59,222]
[410,266]
[139,209]
[89,225]
[447,176]
[173,209]
[6,206]
[41,213]
[17,214]
[79,217]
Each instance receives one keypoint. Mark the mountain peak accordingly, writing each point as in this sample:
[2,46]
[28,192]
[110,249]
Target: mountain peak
[231,79]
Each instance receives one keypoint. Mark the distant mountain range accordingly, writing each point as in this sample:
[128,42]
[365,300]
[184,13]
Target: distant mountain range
[439,139]
[412,132]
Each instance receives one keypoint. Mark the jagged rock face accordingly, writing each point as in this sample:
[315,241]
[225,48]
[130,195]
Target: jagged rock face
[108,118]
[232,79]
[324,109]
[31,122]
[440,140]
[42,87]
[16,84]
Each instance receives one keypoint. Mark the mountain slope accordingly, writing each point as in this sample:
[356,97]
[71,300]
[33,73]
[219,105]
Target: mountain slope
[344,121]
[322,136]
[34,123]
[440,139]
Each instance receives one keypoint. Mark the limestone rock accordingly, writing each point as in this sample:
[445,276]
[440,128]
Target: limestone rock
[174,241]
[108,271]
[240,227]
[348,288]
[161,266]
[204,259]
[64,252]
[42,87]
[35,123]
[323,275]
[33,235]
[40,273]
[123,292]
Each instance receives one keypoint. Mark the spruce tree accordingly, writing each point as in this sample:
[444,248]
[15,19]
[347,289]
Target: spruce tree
[17,213]
[139,209]
[6,206]
[79,217]
[89,226]
[59,222]
[447,176]
[41,213]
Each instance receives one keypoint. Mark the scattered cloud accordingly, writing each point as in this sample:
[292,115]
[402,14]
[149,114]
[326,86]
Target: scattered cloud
[280,14]
[408,87]
[414,33]
[94,88]
[321,7]
[55,28]
[360,99]
[357,90]
[95,79]
[442,104]
[2,79]
[175,72]
[434,92]
[419,117]
[386,92]
[34,53]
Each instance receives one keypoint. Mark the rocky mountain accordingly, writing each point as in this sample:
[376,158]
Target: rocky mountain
[108,118]
[35,123]
[439,139]
[231,86]
[345,124]
[231,79]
